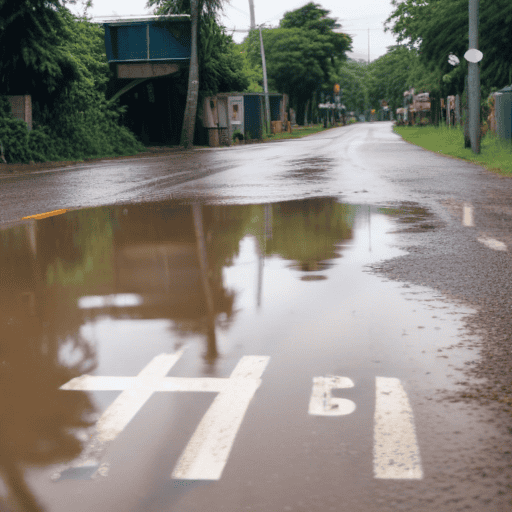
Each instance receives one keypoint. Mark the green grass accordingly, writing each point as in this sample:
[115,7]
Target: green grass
[297,132]
[495,154]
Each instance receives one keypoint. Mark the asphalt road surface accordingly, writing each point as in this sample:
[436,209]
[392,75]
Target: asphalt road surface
[320,324]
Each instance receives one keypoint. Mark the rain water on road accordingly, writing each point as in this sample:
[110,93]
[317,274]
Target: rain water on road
[189,357]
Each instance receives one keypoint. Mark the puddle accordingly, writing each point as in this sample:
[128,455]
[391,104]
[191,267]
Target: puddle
[104,291]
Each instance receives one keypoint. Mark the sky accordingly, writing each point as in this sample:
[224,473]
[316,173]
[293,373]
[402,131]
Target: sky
[355,16]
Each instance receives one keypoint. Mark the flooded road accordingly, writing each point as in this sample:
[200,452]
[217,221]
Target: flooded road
[306,326]
[229,357]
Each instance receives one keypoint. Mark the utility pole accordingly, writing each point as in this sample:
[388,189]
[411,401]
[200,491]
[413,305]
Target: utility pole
[253,19]
[265,83]
[474,79]
[368,45]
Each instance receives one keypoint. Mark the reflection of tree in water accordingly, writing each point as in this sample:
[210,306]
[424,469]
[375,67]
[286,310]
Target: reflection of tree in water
[308,231]
[38,421]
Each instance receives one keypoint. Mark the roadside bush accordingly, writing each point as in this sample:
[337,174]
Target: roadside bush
[14,138]
[42,145]
[76,121]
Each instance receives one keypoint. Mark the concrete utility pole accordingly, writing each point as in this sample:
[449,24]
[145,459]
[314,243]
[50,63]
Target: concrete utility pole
[265,84]
[474,80]
[253,19]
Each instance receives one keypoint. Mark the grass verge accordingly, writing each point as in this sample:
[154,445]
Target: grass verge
[495,154]
[300,131]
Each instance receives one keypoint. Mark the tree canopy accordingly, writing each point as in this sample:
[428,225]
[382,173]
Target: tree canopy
[221,67]
[352,79]
[390,75]
[302,54]
[440,27]
[33,38]
[71,117]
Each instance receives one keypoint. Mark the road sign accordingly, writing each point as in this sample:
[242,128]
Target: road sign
[336,88]
[473,55]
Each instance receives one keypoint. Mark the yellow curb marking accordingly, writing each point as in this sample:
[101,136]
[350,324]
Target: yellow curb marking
[46,214]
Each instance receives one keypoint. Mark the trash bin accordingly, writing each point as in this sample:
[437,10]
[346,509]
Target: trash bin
[504,113]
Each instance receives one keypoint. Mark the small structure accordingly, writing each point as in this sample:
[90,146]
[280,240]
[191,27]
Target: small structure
[503,112]
[228,114]
[21,108]
[146,54]
[147,47]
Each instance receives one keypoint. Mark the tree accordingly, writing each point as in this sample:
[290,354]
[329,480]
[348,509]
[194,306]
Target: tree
[302,54]
[352,78]
[33,35]
[72,120]
[390,75]
[221,65]
[440,27]
[196,8]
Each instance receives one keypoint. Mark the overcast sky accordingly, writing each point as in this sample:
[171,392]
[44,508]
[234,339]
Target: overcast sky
[355,16]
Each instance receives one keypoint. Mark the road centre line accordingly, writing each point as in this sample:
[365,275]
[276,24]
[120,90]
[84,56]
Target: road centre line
[467,216]
[395,450]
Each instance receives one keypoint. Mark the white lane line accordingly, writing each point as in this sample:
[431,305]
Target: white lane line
[395,450]
[322,403]
[115,418]
[209,447]
[467,217]
[208,450]
[137,392]
[493,244]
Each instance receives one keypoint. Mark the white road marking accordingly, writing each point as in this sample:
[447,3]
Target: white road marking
[207,452]
[395,451]
[119,300]
[209,447]
[322,403]
[493,244]
[467,218]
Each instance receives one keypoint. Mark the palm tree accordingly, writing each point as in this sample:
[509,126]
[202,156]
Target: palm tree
[196,8]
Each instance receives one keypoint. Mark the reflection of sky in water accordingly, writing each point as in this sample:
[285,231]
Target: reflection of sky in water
[351,318]
[125,346]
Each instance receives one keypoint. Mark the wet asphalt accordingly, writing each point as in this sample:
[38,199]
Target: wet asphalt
[348,255]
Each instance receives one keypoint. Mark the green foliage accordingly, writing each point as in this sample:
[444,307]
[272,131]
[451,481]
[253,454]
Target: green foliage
[390,75]
[221,66]
[310,17]
[352,78]
[253,71]
[206,7]
[36,34]
[440,27]
[238,135]
[313,17]
[302,54]
[495,154]
[75,122]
